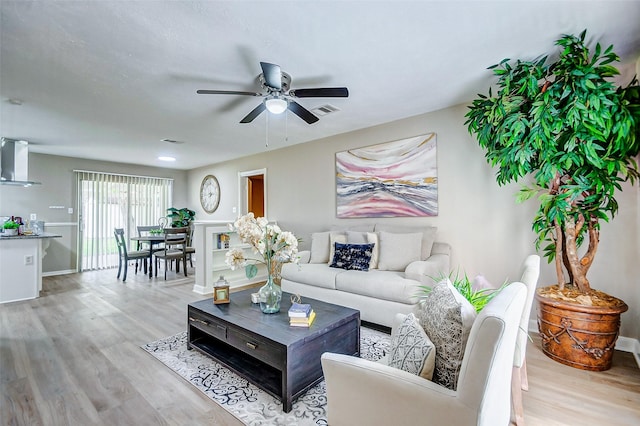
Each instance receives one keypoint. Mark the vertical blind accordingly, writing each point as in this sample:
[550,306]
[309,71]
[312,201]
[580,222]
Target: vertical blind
[108,201]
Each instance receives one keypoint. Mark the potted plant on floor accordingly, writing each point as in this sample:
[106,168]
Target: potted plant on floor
[565,125]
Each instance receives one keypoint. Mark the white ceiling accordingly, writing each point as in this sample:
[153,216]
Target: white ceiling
[109,79]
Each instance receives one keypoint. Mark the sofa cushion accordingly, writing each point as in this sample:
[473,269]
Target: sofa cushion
[352,256]
[365,227]
[315,274]
[411,350]
[319,247]
[398,250]
[335,237]
[428,235]
[446,316]
[355,237]
[384,285]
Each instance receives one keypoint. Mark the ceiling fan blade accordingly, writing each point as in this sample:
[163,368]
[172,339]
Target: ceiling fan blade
[253,114]
[323,92]
[302,112]
[227,92]
[272,75]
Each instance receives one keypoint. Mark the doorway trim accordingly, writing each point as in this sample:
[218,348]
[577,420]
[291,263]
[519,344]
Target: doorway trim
[243,196]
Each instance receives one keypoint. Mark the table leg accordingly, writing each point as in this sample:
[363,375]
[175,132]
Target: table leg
[150,259]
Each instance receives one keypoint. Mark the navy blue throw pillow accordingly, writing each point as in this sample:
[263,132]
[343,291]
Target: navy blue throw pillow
[352,256]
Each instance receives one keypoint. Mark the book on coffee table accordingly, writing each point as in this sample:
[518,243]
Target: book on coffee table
[303,322]
[299,310]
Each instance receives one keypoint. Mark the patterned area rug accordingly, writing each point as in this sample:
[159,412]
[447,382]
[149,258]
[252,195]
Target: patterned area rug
[247,402]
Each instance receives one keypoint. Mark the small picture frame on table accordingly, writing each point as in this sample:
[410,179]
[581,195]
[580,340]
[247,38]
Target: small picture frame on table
[221,294]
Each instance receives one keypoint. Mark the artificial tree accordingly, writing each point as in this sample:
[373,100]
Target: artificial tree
[566,125]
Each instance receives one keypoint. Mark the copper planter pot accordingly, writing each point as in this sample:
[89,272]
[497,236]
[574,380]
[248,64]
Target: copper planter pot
[583,337]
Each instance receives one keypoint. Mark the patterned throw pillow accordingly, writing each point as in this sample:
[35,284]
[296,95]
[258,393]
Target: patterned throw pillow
[411,349]
[352,256]
[356,237]
[446,316]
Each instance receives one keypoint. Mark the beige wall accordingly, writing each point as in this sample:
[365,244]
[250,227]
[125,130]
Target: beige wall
[58,189]
[490,234]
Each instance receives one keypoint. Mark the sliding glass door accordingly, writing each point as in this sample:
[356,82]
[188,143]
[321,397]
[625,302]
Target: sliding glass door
[108,201]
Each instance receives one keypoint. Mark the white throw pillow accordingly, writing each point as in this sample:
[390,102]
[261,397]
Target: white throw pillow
[446,316]
[335,237]
[428,235]
[398,250]
[411,349]
[354,237]
[319,247]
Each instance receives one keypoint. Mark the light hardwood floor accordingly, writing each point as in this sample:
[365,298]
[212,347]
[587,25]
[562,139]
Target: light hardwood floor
[73,357]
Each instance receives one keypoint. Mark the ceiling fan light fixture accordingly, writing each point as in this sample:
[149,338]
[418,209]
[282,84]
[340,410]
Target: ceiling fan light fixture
[276,104]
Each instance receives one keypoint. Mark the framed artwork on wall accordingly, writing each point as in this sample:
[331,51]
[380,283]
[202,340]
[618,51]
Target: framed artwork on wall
[391,179]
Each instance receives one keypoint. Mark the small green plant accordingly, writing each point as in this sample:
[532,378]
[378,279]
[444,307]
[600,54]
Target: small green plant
[180,217]
[477,298]
[10,224]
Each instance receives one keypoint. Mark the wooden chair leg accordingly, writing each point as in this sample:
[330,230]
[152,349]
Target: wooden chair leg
[516,397]
[523,375]
[184,263]
[126,266]
[119,267]
[165,269]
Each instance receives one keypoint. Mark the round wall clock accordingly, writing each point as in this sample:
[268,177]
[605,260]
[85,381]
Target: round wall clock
[209,193]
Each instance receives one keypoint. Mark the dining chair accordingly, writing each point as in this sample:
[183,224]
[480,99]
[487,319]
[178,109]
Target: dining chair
[191,250]
[124,255]
[175,248]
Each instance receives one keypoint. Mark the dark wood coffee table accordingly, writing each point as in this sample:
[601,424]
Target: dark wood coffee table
[264,349]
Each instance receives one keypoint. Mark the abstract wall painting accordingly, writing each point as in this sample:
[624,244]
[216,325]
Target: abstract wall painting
[390,179]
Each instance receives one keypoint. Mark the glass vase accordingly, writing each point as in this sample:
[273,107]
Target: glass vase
[270,295]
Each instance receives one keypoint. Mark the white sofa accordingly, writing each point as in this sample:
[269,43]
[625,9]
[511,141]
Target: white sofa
[405,261]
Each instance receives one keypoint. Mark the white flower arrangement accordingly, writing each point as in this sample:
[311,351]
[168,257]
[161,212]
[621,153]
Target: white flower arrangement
[273,245]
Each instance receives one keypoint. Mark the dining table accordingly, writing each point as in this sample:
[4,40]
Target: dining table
[153,240]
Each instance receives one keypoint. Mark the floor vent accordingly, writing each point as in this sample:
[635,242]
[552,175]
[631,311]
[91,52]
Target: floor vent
[324,110]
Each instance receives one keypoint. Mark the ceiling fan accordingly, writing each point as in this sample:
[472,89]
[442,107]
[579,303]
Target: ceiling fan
[278,95]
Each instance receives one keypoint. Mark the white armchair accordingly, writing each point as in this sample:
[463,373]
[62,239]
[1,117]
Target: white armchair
[371,393]
[519,381]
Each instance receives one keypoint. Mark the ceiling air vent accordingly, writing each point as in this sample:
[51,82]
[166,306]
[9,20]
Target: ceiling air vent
[325,110]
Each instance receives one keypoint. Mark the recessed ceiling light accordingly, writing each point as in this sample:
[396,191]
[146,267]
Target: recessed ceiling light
[166,159]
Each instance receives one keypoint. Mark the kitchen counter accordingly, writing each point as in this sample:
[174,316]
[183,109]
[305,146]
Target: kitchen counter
[21,265]
[32,236]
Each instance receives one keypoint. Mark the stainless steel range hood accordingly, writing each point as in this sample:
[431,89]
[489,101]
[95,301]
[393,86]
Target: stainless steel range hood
[14,163]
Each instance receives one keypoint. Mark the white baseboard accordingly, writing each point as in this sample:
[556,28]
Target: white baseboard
[64,272]
[625,344]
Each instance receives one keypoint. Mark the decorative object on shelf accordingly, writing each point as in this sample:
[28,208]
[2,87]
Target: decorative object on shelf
[180,217]
[223,241]
[390,179]
[255,298]
[272,245]
[210,194]
[221,291]
[566,126]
